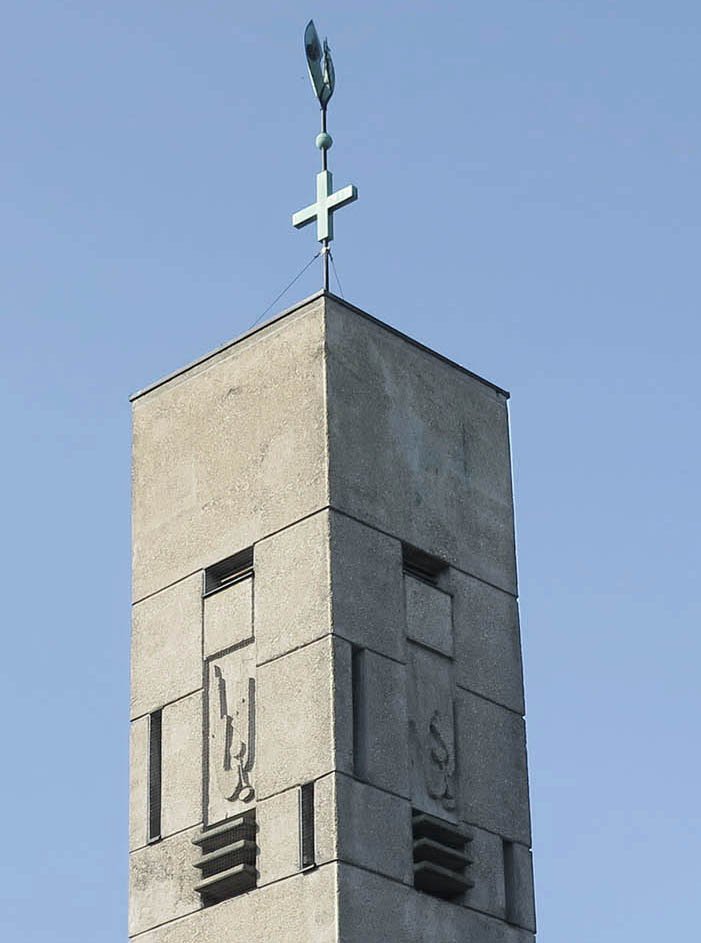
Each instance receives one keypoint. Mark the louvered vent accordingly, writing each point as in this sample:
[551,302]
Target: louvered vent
[440,856]
[228,862]
[422,566]
[229,571]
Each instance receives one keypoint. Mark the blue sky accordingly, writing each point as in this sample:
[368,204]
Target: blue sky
[529,205]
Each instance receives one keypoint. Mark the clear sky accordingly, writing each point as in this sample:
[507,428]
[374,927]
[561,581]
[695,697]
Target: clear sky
[529,205]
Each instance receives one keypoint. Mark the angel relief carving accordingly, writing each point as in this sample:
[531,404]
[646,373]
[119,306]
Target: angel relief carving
[440,762]
[232,734]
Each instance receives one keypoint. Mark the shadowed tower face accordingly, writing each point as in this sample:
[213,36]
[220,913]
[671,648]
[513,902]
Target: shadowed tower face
[327,736]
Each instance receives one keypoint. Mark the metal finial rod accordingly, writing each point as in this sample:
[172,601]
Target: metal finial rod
[323,78]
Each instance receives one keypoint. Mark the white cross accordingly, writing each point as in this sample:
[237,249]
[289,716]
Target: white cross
[326,203]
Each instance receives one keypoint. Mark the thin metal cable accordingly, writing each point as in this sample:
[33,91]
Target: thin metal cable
[286,289]
[338,280]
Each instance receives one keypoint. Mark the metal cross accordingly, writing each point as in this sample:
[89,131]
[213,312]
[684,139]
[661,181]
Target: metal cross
[326,203]
[323,77]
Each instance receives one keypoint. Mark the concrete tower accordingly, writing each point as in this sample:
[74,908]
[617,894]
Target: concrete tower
[328,742]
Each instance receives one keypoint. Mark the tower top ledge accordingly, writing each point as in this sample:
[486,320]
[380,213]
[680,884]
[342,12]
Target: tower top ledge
[296,307]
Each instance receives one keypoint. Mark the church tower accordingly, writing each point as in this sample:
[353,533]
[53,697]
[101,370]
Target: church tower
[327,734]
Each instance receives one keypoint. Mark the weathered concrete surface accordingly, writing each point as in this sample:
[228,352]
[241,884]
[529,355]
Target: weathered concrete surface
[166,646]
[374,909]
[302,909]
[429,615]
[229,451]
[295,718]
[493,771]
[293,587]
[326,440]
[138,783]
[487,641]
[366,581]
[228,617]
[381,754]
[278,824]
[418,448]
[519,881]
[181,802]
[373,828]
[161,885]
[487,872]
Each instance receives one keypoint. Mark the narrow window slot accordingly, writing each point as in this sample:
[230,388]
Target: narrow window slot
[155,749]
[307,828]
[509,878]
[358,672]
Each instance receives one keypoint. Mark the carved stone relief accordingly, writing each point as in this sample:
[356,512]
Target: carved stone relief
[231,742]
[432,733]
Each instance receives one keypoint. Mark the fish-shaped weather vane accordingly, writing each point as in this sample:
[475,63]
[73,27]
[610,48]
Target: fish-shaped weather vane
[323,78]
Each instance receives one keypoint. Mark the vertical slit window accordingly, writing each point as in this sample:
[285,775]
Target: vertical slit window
[306,815]
[508,848]
[155,749]
[358,699]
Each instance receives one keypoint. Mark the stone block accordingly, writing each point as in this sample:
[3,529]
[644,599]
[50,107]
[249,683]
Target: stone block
[434,766]
[374,829]
[293,587]
[487,641]
[181,777]
[418,447]
[161,882]
[295,718]
[228,617]
[518,874]
[429,615]
[378,718]
[493,771]
[166,646]
[366,580]
[278,824]
[231,449]
[301,909]
[375,909]
[138,783]
[487,872]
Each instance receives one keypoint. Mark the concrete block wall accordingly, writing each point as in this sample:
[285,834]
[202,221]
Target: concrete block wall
[327,443]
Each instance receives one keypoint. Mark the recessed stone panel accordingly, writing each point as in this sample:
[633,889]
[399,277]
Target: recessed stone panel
[228,617]
[166,646]
[493,774]
[432,738]
[429,615]
[232,734]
